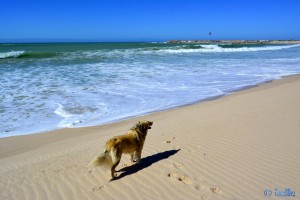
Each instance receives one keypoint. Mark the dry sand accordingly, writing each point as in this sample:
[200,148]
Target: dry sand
[233,147]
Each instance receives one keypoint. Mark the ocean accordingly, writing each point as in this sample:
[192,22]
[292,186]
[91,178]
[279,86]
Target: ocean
[51,86]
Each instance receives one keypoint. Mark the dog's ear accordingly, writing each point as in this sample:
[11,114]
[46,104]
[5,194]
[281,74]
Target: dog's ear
[139,125]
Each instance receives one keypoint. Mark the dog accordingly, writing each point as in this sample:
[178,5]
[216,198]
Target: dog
[132,143]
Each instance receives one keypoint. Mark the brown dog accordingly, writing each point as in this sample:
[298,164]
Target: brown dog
[132,142]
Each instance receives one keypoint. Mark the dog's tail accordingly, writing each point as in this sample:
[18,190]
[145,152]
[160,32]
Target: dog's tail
[103,159]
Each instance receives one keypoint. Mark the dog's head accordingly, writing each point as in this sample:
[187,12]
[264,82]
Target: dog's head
[144,125]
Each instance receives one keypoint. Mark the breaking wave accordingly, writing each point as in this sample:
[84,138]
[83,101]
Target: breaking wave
[124,53]
[24,54]
[12,54]
[211,48]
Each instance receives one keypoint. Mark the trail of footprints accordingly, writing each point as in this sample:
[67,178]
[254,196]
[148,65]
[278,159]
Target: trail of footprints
[179,175]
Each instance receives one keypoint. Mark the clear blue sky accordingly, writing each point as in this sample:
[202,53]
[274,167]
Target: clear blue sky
[147,20]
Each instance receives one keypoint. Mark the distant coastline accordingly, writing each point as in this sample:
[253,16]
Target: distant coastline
[235,41]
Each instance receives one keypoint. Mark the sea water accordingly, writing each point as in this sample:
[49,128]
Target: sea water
[50,86]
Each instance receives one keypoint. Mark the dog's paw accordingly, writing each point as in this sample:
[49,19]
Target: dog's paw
[132,161]
[115,177]
[137,160]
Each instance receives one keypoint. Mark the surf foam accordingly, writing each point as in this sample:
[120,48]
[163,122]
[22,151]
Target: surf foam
[218,49]
[12,54]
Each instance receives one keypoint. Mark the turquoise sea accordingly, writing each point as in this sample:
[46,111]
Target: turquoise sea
[50,86]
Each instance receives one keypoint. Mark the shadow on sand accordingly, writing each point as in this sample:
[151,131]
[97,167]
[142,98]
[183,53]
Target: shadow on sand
[145,162]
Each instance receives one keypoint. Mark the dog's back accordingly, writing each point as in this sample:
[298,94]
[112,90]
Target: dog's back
[127,143]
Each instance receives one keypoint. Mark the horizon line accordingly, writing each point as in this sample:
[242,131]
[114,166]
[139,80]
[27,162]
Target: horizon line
[142,41]
[20,41]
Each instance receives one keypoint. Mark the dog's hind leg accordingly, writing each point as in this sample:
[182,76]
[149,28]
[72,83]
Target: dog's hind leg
[116,158]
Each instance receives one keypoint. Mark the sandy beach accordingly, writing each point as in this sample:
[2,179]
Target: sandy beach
[233,147]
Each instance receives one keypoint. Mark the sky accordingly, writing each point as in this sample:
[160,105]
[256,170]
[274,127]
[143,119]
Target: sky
[147,20]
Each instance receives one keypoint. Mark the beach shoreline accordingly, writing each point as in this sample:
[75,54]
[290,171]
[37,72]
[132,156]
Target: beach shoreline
[225,148]
[152,112]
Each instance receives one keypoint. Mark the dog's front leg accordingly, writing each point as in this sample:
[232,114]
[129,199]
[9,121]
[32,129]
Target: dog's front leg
[138,154]
[132,155]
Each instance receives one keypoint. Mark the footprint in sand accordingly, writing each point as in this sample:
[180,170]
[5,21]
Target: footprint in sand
[169,141]
[197,187]
[178,165]
[181,178]
[215,189]
[95,189]
[204,196]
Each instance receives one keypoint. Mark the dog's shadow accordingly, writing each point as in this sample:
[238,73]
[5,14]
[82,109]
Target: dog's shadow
[145,162]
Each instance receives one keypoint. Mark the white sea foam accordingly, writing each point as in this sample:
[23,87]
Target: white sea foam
[103,55]
[61,111]
[218,49]
[79,88]
[11,54]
